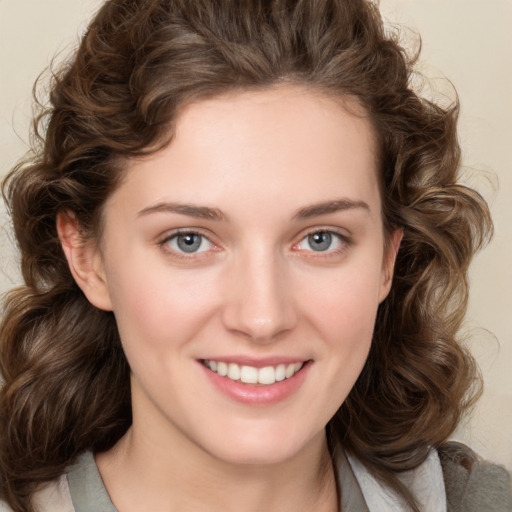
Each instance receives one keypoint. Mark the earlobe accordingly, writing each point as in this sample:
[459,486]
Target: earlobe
[388,266]
[84,260]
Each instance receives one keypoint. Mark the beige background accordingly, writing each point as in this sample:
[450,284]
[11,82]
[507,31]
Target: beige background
[467,41]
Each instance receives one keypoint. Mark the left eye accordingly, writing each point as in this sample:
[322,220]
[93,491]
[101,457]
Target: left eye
[189,243]
[321,241]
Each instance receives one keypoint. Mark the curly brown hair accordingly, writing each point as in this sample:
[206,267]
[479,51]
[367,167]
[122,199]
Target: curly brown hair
[138,64]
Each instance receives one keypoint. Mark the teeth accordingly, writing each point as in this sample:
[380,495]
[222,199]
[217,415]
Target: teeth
[233,371]
[267,375]
[290,370]
[281,372]
[251,375]
[222,369]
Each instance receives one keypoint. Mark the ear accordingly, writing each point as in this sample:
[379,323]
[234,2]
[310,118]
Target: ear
[388,265]
[84,260]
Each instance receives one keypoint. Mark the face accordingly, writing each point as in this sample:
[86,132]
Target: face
[244,264]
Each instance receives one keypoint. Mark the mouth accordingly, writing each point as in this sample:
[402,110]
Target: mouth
[265,376]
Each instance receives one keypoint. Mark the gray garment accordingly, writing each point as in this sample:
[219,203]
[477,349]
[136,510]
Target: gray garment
[88,492]
[472,485]
[86,487]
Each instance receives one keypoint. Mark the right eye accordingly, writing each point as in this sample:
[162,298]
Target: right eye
[322,241]
[188,243]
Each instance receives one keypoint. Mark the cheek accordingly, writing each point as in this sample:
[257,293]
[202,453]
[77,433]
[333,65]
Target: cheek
[345,302]
[340,309]
[158,308]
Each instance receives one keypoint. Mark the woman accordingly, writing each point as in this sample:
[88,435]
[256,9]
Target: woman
[245,253]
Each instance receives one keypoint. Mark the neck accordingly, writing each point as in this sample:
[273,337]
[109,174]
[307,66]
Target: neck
[180,476]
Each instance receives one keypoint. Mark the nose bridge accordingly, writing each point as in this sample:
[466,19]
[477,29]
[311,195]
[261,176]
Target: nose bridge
[260,303]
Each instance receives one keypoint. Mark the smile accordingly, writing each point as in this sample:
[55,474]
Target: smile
[251,375]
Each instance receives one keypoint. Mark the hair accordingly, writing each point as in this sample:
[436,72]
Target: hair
[138,64]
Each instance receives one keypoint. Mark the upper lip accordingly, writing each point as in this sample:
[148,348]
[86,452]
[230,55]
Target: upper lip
[257,362]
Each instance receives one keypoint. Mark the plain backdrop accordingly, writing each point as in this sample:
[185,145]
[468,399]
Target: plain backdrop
[465,42]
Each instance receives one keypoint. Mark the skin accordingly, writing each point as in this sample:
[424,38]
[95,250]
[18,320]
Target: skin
[256,288]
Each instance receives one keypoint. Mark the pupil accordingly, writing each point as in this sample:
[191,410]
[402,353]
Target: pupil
[320,241]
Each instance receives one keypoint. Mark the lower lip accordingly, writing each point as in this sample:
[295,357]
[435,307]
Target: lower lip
[258,395]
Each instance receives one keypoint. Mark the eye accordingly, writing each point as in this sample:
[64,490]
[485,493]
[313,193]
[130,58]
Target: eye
[321,241]
[188,243]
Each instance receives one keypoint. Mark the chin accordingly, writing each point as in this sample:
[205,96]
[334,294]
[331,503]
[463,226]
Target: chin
[254,457]
[261,448]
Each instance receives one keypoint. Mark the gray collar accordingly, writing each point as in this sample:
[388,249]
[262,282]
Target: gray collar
[86,487]
[358,489]
[88,493]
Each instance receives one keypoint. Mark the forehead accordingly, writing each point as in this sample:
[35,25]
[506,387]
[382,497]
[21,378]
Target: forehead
[286,119]
[288,146]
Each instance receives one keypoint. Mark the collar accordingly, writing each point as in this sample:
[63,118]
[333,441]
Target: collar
[360,490]
[425,482]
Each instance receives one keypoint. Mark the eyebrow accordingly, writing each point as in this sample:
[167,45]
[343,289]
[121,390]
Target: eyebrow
[191,210]
[330,207]
[208,213]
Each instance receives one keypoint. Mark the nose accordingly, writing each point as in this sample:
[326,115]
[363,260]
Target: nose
[259,303]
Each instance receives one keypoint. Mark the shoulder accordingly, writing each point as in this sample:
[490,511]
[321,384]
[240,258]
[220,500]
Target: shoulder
[80,488]
[473,484]
[53,497]
[4,507]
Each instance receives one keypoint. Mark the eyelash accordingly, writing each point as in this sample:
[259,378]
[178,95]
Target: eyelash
[164,244]
[344,243]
